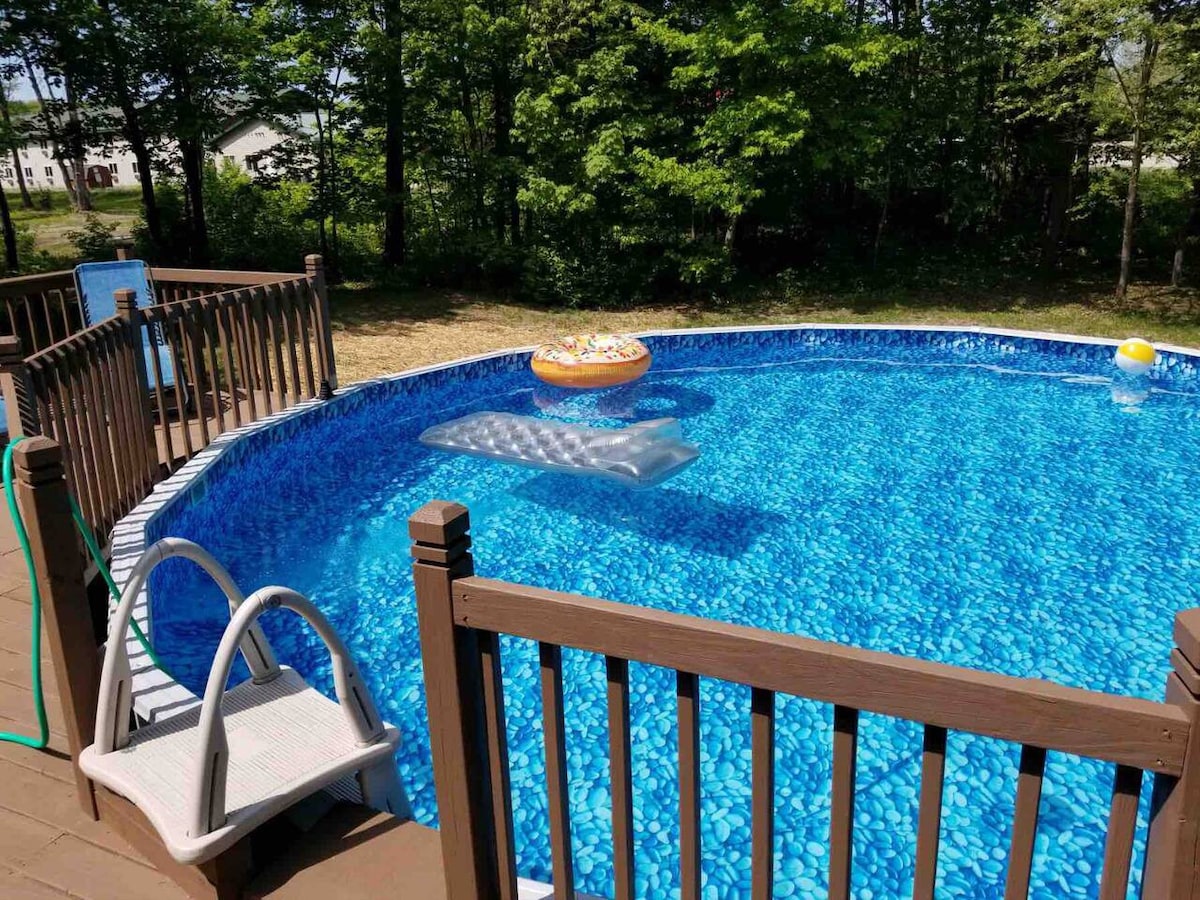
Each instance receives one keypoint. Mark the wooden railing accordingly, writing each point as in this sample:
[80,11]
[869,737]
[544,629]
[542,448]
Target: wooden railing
[460,617]
[41,310]
[234,357]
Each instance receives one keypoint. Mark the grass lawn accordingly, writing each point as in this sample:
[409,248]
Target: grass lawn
[380,331]
[114,206]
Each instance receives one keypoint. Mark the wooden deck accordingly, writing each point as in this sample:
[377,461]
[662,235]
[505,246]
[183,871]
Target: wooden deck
[48,847]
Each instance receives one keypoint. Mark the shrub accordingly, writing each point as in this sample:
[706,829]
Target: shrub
[94,242]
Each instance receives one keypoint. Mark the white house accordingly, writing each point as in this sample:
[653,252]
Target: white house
[243,142]
[42,173]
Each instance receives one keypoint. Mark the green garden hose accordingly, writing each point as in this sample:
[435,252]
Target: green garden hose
[35,648]
[35,594]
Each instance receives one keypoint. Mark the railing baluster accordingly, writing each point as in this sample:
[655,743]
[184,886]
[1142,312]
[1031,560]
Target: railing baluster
[94,425]
[289,337]
[274,327]
[621,766]
[42,398]
[929,815]
[173,335]
[128,383]
[126,491]
[1025,816]
[687,694]
[301,303]
[241,345]
[45,298]
[33,335]
[153,330]
[105,401]
[562,864]
[841,821]
[12,326]
[209,329]
[258,316]
[62,307]
[51,379]
[1122,823]
[762,794]
[497,740]
[195,370]
[224,328]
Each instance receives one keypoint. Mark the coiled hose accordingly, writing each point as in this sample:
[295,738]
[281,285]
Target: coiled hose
[35,594]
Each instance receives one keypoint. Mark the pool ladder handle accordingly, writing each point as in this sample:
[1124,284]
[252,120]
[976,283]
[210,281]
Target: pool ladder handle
[379,784]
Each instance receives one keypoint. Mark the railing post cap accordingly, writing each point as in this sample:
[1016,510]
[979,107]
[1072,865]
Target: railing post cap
[10,349]
[314,261]
[1187,635]
[439,522]
[38,454]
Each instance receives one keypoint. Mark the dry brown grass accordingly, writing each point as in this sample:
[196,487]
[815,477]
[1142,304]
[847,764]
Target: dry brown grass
[380,331]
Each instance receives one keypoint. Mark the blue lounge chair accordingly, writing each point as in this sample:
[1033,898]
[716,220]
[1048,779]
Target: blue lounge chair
[97,283]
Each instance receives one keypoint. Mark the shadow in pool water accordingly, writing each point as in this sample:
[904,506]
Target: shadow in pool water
[637,402]
[664,514]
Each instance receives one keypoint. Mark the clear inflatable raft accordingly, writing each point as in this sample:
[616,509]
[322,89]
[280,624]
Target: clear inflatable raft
[638,456]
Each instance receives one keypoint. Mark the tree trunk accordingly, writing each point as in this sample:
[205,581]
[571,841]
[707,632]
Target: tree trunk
[51,130]
[6,119]
[12,264]
[333,269]
[193,177]
[394,187]
[1145,72]
[76,147]
[506,212]
[1190,227]
[322,210]
[132,131]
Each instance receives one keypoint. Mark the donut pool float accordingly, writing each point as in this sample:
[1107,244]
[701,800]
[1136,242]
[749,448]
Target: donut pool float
[591,360]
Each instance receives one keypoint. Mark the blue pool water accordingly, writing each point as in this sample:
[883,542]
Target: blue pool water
[991,502]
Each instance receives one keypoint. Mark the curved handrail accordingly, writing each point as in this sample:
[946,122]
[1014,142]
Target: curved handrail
[115,696]
[356,702]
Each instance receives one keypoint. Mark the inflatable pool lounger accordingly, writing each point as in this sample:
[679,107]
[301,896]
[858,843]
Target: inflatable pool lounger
[639,456]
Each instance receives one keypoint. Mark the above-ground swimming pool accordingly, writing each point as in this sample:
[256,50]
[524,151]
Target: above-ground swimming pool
[1002,502]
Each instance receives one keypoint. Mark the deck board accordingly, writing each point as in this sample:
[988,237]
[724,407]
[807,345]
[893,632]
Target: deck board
[48,847]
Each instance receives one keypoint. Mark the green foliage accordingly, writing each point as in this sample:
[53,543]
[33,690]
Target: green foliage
[1163,205]
[93,242]
[610,151]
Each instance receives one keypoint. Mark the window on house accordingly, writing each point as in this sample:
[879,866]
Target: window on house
[135,169]
[8,172]
[28,172]
[112,167]
[42,144]
[49,171]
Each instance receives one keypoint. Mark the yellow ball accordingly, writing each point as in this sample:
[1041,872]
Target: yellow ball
[1135,356]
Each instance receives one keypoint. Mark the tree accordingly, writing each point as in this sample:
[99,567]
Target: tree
[200,56]
[123,81]
[13,141]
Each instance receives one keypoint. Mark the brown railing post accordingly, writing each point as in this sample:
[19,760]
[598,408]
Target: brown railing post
[17,389]
[127,309]
[454,691]
[314,268]
[42,493]
[1172,869]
